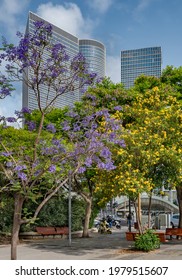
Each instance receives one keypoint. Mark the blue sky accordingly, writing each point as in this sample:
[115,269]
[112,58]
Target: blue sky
[118,24]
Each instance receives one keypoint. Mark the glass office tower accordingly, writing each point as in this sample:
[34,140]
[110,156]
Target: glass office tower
[95,55]
[145,61]
[93,51]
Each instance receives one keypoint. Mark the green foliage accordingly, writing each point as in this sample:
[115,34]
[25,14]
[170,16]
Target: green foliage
[173,77]
[54,213]
[143,83]
[6,213]
[78,213]
[55,116]
[147,241]
[107,95]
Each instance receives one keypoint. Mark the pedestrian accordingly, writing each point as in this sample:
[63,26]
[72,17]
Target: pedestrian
[129,218]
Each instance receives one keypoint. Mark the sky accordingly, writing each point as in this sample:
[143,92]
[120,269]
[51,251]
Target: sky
[118,24]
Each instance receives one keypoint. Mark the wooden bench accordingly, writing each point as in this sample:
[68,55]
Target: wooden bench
[131,236]
[52,231]
[174,231]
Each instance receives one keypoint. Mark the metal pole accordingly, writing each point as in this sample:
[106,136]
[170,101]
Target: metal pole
[69,211]
[129,221]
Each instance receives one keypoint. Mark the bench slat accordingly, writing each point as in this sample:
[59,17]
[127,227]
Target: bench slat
[52,230]
[174,231]
[130,236]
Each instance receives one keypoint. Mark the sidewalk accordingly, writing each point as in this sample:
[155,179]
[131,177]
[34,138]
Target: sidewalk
[98,247]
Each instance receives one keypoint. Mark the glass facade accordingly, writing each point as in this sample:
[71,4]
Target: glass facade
[93,51]
[95,55]
[145,61]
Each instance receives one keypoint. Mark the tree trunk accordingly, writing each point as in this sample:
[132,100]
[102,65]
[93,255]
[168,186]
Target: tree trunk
[149,210]
[18,204]
[87,218]
[179,197]
[138,218]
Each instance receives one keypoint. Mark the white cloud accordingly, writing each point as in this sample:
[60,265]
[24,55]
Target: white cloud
[9,11]
[101,5]
[67,17]
[113,67]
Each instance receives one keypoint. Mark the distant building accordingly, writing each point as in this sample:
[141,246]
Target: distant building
[93,51]
[135,62]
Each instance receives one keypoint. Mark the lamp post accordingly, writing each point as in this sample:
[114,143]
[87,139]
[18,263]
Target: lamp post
[69,211]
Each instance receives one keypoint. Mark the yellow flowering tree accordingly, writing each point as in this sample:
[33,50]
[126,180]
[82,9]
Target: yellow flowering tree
[152,156]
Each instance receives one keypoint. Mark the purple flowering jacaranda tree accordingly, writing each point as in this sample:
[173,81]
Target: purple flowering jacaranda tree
[96,134]
[50,68]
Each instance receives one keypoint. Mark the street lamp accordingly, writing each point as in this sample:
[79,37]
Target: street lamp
[69,211]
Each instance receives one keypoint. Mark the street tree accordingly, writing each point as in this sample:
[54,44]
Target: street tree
[152,155]
[98,123]
[172,76]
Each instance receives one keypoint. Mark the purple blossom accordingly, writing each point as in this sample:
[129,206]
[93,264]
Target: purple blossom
[103,112]
[56,142]
[66,126]
[11,119]
[72,114]
[20,167]
[112,136]
[9,164]
[6,154]
[52,168]
[105,153]
[49,151]
[5,86]
[99,80]
[22,176]
[107,166]
[51,128]
[118,108]
[37,173]
[120,143]
[26,110]
[81,169]
[31,125]
[90,96]
[76,127]
[88,162]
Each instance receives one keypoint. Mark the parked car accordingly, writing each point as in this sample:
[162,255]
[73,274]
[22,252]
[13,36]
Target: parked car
[175,220]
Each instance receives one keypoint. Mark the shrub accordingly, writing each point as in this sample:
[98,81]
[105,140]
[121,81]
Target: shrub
[6,213]
[55,213]
[147,241]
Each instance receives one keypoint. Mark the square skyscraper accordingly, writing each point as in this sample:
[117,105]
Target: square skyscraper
[136,62]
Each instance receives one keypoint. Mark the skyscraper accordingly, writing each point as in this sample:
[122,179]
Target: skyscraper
[135,62]
[93,51]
